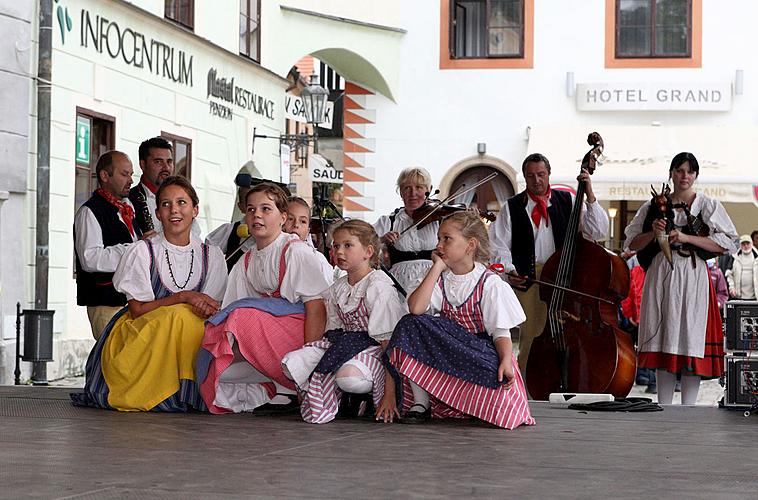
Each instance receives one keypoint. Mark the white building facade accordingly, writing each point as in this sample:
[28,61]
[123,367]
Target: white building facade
[485,82]
[205,75]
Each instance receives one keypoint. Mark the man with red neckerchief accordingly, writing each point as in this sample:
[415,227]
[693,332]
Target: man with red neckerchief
[104,227]
[531,226]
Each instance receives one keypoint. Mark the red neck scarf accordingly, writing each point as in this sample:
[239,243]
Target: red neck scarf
[149,185]
[126,210]
[540,208]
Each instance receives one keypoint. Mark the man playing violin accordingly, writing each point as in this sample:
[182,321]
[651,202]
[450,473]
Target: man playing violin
[531,226]
[410,252]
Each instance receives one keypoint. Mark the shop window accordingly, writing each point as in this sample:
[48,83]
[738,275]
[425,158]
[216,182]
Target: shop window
[653,33]
[182,154]
[95,134]
[250,34]
[181,12]
[478,34]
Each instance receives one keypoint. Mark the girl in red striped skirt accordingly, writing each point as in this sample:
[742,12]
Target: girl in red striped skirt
[458,360]
[363,308]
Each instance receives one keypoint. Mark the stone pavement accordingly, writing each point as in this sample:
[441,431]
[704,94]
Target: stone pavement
[51,449]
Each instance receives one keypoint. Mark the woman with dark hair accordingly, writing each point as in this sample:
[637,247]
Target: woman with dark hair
[680,324]
[145,358]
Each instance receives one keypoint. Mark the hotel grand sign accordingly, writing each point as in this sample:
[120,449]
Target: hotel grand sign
[653,96]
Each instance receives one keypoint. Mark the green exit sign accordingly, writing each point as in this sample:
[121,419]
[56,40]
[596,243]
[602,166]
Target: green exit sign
[82,139]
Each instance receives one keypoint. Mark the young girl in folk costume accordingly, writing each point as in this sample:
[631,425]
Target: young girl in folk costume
[363,308]
[145,358]
[299,223]
[461,362]
[680,323]
[273,305]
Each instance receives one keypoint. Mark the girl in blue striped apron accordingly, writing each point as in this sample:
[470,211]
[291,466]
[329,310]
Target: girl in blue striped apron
[145,358]
[363,308]
[458,360]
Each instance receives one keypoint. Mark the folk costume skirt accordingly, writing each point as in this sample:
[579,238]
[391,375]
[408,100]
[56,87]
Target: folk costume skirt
[321,396]
[458,369]
[146,364]
[711,365]
[265,329]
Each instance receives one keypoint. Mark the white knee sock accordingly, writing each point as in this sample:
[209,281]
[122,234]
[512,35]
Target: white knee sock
[355,377]
[690,388]
[666,382]
[420,396]
[355,385]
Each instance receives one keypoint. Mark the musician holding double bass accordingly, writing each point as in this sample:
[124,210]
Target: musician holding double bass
[531,226]
[410,252]
[680,324]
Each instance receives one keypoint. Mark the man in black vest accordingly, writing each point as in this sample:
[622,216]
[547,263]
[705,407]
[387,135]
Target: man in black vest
[104,227]
[530,228]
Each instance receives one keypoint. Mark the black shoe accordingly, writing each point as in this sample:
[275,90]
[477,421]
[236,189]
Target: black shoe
[356,405]
[291,408]
[417,416]
[651,389]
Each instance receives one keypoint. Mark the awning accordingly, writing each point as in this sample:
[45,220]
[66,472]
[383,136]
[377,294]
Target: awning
[636,157]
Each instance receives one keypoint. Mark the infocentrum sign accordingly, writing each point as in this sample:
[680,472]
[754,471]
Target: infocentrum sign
[135,48]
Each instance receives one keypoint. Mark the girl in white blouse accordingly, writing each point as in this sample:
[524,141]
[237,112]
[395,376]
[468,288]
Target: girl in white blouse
[461,362]
[363,308]
[145,358]
[273,305]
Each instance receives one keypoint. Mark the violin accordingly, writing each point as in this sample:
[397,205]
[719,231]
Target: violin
[434,210]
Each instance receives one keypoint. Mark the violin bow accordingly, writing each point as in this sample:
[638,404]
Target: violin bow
[463,190]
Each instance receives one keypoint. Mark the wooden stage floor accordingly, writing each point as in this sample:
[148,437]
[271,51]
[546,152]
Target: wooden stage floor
[51,449]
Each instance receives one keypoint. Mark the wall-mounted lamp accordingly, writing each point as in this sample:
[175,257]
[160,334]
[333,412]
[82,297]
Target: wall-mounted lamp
[481,148]
[314,98]
[570,87]
[739,84]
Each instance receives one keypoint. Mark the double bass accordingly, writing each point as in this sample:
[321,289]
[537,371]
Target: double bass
[581,348]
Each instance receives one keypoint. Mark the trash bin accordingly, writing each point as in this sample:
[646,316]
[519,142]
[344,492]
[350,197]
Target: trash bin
[38,335]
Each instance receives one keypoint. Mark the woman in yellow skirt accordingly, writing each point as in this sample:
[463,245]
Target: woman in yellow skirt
[145,358]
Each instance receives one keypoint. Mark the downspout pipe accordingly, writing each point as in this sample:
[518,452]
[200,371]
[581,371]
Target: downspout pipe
[42,254]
